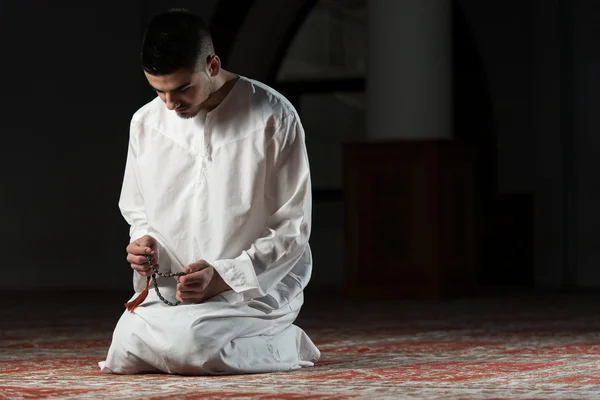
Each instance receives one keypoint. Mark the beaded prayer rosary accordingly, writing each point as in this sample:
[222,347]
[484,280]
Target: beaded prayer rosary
[132,305]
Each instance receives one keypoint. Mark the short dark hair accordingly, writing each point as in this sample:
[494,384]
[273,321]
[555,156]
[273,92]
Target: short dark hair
[173,40]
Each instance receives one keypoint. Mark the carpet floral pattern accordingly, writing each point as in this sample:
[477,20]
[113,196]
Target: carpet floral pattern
[526,348]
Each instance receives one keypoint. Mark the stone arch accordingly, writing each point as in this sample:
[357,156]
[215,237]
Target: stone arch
[253,37]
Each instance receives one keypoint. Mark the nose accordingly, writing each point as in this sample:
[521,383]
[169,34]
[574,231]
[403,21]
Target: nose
[171,101]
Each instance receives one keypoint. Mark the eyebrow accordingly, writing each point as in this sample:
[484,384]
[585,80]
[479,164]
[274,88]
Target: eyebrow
[174,90]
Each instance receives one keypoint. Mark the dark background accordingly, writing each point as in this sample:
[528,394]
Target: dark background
[526,88]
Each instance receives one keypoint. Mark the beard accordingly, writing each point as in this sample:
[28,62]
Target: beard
[208,91]
[187,116]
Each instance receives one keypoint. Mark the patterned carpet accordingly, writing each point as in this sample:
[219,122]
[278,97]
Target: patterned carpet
[520,348]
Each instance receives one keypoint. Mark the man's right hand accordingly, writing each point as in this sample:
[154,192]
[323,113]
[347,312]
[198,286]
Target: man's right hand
[137,252]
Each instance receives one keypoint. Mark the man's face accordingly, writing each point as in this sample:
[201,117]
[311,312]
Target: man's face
[183,91]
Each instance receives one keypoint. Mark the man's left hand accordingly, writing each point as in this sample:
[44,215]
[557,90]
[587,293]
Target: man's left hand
[201,283]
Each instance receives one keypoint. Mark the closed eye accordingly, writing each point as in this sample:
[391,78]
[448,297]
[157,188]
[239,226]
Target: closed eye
[180,89]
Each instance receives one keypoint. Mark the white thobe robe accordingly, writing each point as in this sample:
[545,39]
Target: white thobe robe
[232,187]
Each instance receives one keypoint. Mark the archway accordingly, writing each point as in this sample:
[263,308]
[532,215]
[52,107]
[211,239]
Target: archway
[257,40]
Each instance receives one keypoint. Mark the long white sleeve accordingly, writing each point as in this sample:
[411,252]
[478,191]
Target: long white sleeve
[287,230]
[131,202]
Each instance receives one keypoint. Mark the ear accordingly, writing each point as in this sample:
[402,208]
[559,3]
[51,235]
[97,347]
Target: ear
[213,65]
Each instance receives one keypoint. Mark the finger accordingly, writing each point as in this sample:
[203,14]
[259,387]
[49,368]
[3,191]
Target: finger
[193,287]
[142,260]
[135,259]
[189,297]
[139,250]
[142,269]
[195,267]
[199,277]
[146,240]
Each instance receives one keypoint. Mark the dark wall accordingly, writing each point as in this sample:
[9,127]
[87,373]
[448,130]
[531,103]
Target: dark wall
[71,82]
[502,33]
[541,63]
[582,139]
[493,93]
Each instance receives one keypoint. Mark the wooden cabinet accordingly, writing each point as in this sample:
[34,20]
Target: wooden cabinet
[410,229]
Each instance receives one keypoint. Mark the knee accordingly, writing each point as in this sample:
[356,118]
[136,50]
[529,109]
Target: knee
[129,353]
[192,354]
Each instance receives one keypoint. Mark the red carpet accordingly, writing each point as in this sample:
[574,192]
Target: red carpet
[530,348]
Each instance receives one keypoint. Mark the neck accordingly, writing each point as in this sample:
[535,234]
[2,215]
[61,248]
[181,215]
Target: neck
[222,85]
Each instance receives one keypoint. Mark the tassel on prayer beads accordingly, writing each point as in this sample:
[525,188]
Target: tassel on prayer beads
[132,305]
